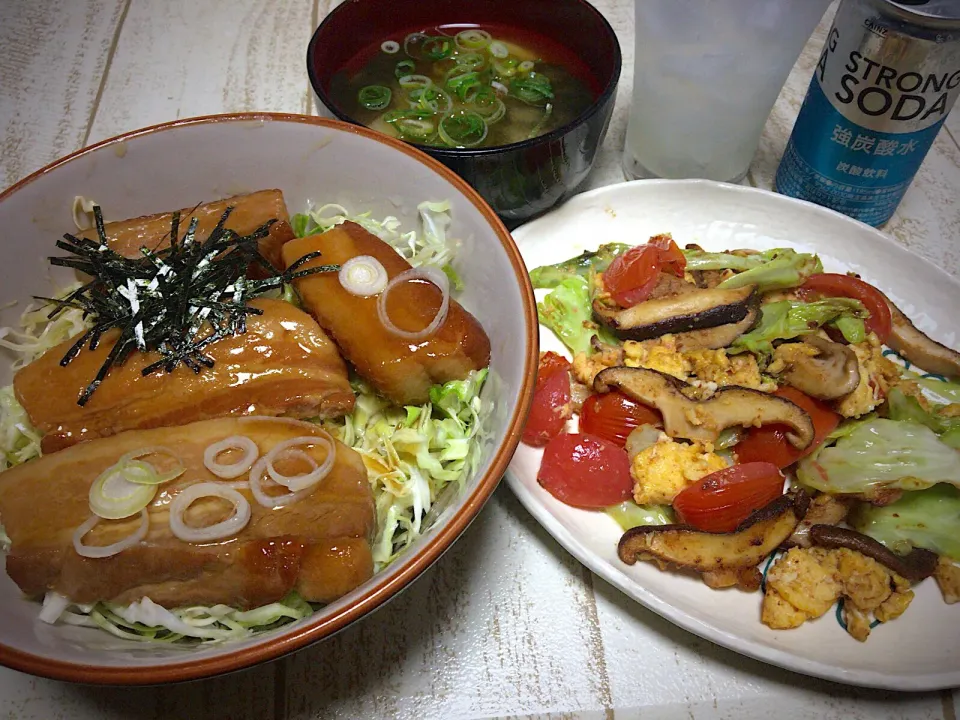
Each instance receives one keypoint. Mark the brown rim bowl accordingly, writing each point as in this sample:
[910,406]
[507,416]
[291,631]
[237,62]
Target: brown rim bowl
[181,163]
[520,180]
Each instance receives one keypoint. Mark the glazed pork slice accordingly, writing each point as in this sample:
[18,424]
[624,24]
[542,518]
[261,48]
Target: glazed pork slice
[318,545]
[284,364]
[402,370]
[126,237]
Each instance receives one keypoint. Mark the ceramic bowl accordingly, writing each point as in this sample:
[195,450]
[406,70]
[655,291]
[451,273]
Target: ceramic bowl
[310,159]
[520,180]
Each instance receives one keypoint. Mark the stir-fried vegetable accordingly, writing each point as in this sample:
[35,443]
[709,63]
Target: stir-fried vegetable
[925,519]
[770,270]
[583,265]
[903,407]
[568,312]
[630,515]
[882,454]
[787,319]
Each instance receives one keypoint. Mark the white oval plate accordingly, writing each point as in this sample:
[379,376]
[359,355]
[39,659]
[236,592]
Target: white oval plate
[919,651]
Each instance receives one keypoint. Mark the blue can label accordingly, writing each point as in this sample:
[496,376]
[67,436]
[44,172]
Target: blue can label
[876,102]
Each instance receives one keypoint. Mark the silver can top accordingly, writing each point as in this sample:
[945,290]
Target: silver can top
[934,13]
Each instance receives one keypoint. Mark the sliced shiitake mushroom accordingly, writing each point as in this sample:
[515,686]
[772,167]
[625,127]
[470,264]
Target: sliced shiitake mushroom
[704,420]
[920,349]
[914,566]
[720,336]
[687,547]
[830,374]
[680,313]
[825,509]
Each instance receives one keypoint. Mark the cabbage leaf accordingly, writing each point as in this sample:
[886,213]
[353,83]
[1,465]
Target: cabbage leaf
[926,519]
[583,265]
[879,454]
[568,311]
[787,319]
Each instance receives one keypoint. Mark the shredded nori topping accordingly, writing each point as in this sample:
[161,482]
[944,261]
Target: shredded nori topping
[176,300]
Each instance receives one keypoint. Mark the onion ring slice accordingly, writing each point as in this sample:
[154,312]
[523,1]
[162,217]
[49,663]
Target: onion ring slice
[430,274]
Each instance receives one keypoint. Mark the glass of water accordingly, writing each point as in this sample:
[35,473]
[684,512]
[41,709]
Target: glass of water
[706,74]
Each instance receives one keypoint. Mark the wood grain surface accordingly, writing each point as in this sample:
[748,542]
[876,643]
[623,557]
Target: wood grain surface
[506,624]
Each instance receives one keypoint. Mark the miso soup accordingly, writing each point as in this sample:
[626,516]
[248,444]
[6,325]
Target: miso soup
[464,86]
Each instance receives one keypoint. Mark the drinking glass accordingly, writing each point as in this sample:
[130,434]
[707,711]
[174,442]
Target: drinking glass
[706,74]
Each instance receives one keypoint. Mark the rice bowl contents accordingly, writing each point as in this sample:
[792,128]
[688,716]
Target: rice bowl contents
[234,489]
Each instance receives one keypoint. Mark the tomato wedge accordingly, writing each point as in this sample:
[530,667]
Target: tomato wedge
[613,415]
[671,257]
[769,443]
[722,500]
[838,285]
[551,406]
[630,278]
[585,471]
[550,363]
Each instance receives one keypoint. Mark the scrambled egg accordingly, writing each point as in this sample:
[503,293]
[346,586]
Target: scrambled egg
[805,583]
[948,580]
[877,376]
[665,468]
[708,366]
[586,367]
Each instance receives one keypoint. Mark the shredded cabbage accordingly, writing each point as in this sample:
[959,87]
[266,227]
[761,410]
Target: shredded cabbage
[36,334]
[429,246]
[413,453]
[145,621]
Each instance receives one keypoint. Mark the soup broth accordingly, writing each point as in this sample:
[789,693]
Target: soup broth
[464,86]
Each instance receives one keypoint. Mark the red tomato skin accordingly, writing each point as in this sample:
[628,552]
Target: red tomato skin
[671,257]
[631,276]
[839,285]
[550,362]
[550,410]
[585,471]
[723,499]
[769,443]
[613,415]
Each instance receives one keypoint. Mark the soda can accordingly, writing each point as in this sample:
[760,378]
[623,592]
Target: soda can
[886,79]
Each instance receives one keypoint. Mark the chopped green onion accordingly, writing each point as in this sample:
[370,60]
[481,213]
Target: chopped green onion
[473,39]
[488,106]
[430,98]
[541,123]
[498,49]
[437,48]
[462,84]
[462,129]
[404,68]
[505,67]
[114,496]
[471,60]
[391,47]
[374,97]
[413,81]
[526,66]
[535,89]
[415,124]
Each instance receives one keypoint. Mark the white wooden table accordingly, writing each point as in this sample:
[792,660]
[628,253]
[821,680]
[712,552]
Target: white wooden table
[506,624]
